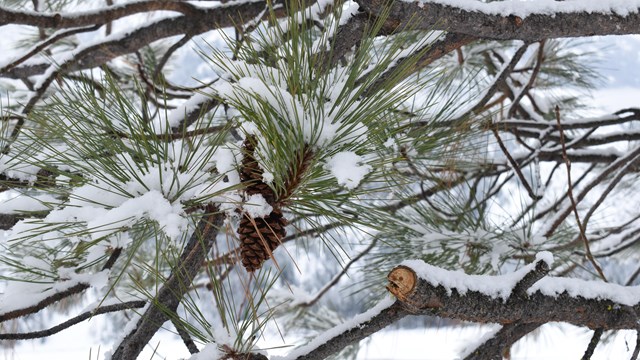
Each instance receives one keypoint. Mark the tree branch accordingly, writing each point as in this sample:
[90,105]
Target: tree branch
[75,320]
[488,299]
[58,295]
[169,296]
[99,16]
[501,342]
[363,325]
[198,22]
[487,20]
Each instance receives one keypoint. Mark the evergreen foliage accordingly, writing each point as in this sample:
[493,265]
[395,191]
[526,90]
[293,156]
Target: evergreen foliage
[297,172]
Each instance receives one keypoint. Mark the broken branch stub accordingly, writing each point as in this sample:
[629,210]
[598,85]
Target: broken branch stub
[402,282]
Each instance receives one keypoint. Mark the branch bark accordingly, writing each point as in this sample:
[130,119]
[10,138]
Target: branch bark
[197,22]
[73,321]
[165,303]
[486,20]
[551,299]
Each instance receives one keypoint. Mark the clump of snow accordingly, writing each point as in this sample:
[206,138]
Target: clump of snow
[21,203]
[19,295]
[495,286]
[553,286]
[209,352]
[225,159]
[151,205]
[267,177]
[545,256]
[347,168]
[257,206]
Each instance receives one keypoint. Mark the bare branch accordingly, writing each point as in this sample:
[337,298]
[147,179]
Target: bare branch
[184,335]
[501,342]
[595,339]
[99,16]
[574,205]
[515,167]
[337,278]
[321,348]
[58,295]
[75,320]
[196,23]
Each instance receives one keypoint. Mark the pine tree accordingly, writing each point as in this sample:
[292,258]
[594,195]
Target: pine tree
[325,157]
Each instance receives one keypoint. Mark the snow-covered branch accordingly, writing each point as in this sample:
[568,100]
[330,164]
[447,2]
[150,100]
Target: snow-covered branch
[511,20]
[508,299]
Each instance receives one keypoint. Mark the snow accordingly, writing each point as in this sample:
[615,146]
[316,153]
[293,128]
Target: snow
[257,207]
[181,112]
[321,339]
[524,8]
[22,203]
[209,352]
[495,286]
[347,168]
[545,256]
[500,286]
[20,295]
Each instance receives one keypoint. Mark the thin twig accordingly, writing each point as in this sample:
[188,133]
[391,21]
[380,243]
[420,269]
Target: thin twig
[75,320]
[595,339]
[49,300]
[165,58]
[515,166]
[184,335]
[573,201]
[534,75]
[337,278]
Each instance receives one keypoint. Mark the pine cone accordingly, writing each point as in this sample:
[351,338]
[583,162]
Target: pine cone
[259,237]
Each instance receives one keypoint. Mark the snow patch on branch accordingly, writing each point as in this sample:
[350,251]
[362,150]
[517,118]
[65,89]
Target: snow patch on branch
[20,295]
[321,339]
[542,7]
[495,286]
[501,286]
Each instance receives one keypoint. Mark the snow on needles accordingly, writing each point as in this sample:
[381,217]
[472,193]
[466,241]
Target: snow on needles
[348,169]
[501,286]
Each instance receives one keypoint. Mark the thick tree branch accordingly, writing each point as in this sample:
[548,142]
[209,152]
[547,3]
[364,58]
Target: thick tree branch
[488,20]
[381,316]
[198,22]
[166,302]
[550,299]
[499,344]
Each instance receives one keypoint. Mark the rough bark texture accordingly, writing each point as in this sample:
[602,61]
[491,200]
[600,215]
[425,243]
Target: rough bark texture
[169,296]
[499,344]
[386,317]
[427,299]
[432,16]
